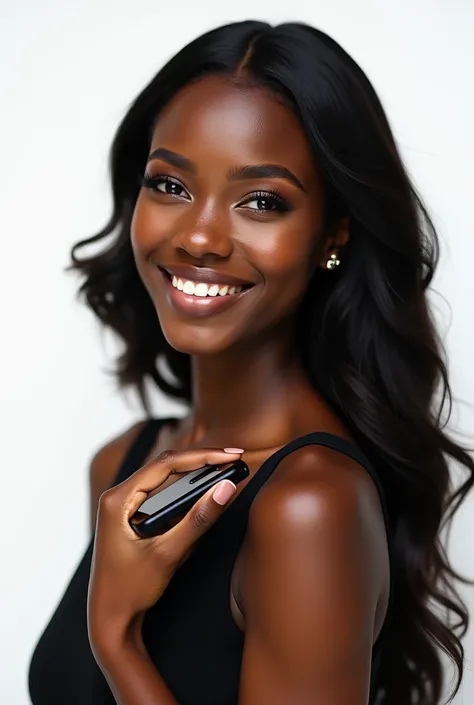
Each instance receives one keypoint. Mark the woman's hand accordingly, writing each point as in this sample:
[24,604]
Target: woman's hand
[129,573]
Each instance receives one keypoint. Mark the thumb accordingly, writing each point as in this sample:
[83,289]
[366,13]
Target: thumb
[223,492]
[208,509]
[200,517]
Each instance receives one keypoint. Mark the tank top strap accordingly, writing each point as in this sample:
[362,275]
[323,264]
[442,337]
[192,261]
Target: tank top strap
[140,448]
[329,440]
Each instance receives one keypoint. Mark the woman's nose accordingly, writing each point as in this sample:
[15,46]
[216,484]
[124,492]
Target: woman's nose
[204,236]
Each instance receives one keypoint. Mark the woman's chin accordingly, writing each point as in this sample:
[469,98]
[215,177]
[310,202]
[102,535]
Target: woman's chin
[192,342]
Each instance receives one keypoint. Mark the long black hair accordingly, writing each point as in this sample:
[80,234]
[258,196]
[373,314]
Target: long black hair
[367,337]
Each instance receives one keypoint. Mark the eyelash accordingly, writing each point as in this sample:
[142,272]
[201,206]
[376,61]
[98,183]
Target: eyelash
[272,195]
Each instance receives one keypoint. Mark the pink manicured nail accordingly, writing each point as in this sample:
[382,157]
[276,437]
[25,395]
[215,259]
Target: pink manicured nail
[224,491]
[233,450]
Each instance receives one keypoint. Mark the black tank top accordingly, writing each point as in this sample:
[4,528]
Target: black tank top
[190,633]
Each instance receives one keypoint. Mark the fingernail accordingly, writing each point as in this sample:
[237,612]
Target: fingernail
[224,491]
[233,450]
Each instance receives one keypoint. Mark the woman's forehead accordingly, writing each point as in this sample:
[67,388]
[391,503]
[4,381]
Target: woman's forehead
[243,125]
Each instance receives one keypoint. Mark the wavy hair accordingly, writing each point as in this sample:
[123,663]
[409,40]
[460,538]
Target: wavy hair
[366,335]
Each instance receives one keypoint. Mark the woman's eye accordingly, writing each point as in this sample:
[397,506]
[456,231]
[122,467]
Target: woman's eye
[260,202]
[266,203]
[163,184]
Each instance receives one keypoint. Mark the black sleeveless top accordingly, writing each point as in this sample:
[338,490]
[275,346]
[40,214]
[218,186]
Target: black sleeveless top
[189,633]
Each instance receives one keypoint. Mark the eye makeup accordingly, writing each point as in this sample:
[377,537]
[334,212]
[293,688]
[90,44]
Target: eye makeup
[268,197]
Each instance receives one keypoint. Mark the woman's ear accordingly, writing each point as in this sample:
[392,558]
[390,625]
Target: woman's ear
[336,240]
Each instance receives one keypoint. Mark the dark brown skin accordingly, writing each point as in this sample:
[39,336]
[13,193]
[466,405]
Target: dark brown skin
[310,585]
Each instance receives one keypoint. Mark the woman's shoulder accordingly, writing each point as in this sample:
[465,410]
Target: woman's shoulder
[334,493]
[107,461]
[315,564]
[333,483]
[108,458]
[322,507]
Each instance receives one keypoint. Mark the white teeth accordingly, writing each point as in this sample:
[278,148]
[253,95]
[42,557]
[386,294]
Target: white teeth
[201,289]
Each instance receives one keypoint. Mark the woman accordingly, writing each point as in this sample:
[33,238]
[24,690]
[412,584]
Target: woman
[268,265]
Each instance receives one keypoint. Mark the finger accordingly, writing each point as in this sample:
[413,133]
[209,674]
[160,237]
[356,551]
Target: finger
[151,475]
[200,518]
[148,478]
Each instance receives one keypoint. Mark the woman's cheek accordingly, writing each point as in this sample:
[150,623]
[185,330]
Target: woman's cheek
[148,227]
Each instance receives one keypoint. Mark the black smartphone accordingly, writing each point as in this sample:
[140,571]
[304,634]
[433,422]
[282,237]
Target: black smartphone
[173,501]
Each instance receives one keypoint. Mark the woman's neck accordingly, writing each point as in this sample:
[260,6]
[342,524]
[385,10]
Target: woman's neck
[246,395]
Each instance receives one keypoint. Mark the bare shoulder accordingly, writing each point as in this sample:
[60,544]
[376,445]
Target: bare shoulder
[106,462]
[326,506]
[332,486]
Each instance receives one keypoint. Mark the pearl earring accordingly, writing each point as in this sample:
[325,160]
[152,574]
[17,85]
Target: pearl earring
[332,262]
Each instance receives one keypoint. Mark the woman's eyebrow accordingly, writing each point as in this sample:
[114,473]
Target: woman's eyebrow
[253,171]
[264,171]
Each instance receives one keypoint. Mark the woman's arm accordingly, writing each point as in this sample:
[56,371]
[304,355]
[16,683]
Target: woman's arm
[316,566]
[132,676]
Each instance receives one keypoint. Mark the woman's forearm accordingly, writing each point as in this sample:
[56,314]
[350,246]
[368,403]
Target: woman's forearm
[133,679]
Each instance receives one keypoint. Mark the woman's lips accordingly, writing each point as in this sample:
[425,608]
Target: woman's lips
[199,306]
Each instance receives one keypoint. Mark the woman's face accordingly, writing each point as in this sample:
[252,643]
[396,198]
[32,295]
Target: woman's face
[212,226]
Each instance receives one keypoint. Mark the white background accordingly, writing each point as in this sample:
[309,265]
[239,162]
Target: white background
[68,72]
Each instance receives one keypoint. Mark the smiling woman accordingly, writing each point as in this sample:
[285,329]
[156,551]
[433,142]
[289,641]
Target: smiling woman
[270,250]
[241,195]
